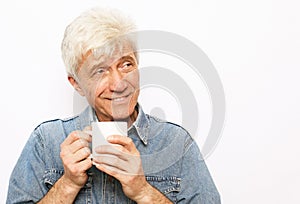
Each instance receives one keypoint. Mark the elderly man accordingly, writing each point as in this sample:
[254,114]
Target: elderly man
[158,162]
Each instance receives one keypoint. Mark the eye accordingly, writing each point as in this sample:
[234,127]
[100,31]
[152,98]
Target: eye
[97,72]
[126,66]
[100,71]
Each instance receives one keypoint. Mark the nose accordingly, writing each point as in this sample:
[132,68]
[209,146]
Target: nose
[116,81]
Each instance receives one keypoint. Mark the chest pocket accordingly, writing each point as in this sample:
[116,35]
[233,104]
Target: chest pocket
[168,185]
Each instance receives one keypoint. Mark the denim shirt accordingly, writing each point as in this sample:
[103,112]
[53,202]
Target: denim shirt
[171,160]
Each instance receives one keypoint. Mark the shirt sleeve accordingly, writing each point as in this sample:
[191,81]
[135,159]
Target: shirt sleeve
[197,185]
[26,183]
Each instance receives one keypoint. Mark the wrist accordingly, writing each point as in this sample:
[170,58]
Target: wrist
[68,186]
[149,194]
[62,192]
[145,194]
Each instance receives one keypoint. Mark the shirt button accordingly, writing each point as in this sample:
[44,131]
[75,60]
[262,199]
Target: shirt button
[88,185]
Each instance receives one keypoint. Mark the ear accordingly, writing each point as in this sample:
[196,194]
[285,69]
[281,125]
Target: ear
[76,86]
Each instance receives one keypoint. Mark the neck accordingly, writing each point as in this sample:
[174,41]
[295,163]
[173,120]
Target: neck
[130,120]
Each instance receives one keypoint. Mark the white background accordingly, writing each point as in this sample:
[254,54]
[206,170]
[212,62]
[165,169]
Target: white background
[254,46]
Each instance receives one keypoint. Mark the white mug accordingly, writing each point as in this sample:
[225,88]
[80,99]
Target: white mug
[101,130]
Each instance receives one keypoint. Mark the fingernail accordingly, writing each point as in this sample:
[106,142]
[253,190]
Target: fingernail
[110,137]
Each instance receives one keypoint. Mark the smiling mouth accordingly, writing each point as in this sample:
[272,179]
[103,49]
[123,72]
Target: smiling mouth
[119,99]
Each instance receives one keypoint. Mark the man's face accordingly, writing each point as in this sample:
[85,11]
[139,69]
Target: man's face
[111,85]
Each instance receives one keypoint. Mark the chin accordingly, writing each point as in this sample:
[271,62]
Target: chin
[121,113]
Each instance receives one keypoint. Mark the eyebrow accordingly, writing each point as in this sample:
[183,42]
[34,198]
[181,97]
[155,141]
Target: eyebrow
[102,64]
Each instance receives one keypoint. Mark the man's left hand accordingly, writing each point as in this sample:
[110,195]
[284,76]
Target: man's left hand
[122,160]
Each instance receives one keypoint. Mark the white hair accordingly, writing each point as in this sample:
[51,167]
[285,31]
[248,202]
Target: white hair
[99,31]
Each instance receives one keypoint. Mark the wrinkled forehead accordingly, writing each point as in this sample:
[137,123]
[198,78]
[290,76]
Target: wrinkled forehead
[110,53]
[109,58]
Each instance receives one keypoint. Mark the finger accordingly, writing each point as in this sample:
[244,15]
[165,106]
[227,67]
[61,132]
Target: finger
[81,167]
[73,136]
[86,135]
[66,146]
[110,170]
[72,158]
[77,145]
[116,172]
[81,154]
[116,150]
[121,140]
[87,128]
[110,160]
[122,160]
[86,164]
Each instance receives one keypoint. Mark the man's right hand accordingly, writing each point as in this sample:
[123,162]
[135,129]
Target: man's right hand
[75,154]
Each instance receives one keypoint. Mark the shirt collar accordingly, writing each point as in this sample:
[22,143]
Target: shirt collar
[141,125]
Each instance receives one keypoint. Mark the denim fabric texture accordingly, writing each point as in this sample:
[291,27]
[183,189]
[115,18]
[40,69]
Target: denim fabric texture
[171,160]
